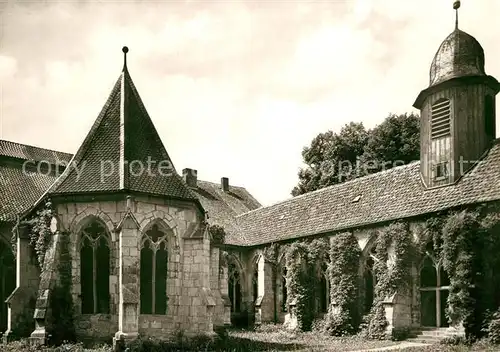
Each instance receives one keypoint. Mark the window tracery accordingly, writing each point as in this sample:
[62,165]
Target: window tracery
[94,268]
[234,287]
[153,271]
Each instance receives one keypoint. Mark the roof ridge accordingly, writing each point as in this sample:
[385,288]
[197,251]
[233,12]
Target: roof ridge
[82,150]
[142,107]
[218,184]
[342,184]
[34,146]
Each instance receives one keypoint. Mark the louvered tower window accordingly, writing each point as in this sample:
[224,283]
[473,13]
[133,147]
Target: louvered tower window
[440,119]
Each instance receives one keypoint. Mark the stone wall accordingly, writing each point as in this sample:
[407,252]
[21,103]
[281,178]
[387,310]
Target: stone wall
[403,310]
[22,300]
[190,278]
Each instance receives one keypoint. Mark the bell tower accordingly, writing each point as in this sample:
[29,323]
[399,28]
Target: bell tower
[457,110]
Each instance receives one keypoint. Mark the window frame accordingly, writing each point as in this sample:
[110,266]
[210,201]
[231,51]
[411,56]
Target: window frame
[155,247]
[94,245]
[441,170]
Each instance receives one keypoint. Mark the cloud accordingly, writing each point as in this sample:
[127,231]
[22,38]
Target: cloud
[235,89]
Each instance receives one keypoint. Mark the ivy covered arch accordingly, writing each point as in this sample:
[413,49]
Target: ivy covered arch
[281,283]
[323,287]
[367,274]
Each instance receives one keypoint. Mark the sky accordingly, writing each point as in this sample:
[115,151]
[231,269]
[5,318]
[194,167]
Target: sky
[235,88]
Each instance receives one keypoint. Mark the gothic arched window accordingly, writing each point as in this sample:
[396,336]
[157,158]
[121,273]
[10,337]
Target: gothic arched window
[94,269]
[153,271]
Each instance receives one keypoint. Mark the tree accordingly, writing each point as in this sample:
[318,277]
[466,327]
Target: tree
[395,142]
[335,158]
[331,158]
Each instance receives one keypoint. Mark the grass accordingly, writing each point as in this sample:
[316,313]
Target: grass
[479,346]
[276,338]
[266,338]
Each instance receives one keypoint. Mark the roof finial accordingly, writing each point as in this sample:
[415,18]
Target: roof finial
[125,51]
[456,6]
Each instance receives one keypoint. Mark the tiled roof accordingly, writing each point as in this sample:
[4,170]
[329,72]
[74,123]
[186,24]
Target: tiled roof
[123,134]
[223,207]
[20,190]
[385,196]
[28,152]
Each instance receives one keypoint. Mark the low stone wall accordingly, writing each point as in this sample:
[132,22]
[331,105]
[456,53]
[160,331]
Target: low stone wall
[99,327]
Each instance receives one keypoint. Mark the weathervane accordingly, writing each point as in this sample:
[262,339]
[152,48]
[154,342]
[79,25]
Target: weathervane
[456,6]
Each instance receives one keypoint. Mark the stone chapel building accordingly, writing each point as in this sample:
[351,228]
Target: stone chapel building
[142,259]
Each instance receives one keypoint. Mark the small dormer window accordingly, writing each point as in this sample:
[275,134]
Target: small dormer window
[441,171]
[440,119]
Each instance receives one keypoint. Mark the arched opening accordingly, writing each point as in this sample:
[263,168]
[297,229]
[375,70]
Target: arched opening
[94,268]
[324,289]
[255,284]
[153,271]
[284,291]
[7,281]
[369,284]
[234,287]
[434,289]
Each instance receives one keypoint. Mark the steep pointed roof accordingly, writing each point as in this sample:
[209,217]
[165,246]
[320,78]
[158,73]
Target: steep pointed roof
[122,152]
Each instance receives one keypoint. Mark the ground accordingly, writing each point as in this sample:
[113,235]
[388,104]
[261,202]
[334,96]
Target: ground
[270,338]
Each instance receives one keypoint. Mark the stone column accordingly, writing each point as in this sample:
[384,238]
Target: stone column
[128,280]
[215,287]
[48,279]
[196,282]
[225,296]
[21,303]
[267,302]
[247,301]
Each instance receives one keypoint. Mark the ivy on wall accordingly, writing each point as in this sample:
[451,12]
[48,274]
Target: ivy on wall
[61,320]
[302,262]
[343,315]
[217,234]
[467,243]
[39,231]
[392,268]
[470,256]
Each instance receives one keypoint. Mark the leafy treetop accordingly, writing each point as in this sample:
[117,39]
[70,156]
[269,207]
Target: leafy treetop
[355,151]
